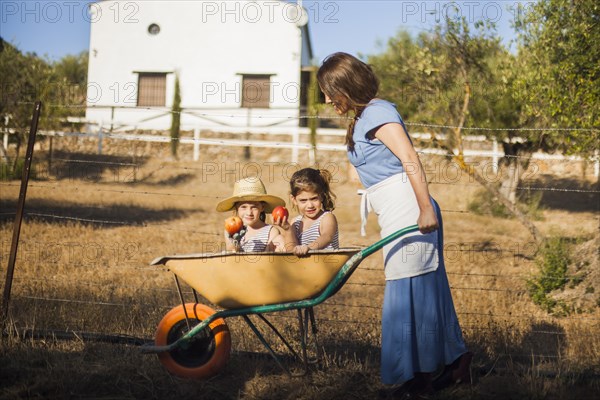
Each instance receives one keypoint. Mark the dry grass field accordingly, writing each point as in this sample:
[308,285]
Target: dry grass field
[94,222]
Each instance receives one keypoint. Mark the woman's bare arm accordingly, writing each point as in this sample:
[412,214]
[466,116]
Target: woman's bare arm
[396,139]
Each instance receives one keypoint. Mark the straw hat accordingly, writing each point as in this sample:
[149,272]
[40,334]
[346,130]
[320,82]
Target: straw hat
[250,189]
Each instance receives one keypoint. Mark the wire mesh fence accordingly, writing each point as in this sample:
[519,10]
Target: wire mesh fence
[94,221]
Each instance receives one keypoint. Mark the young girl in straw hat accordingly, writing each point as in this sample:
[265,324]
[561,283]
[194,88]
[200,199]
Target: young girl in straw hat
[250,202]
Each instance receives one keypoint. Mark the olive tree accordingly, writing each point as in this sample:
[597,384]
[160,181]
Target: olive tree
[559,80]
[452,78]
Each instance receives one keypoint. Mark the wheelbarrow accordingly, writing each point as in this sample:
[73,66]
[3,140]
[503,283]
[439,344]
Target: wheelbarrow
[193,341]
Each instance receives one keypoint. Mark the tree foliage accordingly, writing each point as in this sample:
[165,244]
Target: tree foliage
[26,78]
[70,85]
[427,77]
[559,79]
[552,82]
[463,75]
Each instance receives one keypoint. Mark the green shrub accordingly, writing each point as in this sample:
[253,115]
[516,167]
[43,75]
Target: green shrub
[553,261]
[7,173]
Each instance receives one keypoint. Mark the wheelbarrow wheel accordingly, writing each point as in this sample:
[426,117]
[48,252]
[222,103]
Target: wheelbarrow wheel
[202,357]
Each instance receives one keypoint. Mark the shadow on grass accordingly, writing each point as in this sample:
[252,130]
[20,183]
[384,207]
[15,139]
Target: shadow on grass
[567,194]
[100,169]
[89,167]
[501,350]
[113,216]
[544,341]
[178,179]
[347,371]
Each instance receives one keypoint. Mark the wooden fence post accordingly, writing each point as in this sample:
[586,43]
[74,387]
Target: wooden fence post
[495,155]
[196,144]
[100,138]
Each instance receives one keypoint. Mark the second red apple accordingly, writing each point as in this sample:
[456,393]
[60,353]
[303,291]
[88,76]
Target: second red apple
[280,213]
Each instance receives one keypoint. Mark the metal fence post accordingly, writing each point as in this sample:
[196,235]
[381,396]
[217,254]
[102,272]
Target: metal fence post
[20,209]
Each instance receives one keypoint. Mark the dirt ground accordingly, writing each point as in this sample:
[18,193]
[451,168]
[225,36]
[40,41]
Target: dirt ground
[94,222]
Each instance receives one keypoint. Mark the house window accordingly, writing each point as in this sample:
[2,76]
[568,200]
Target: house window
[152,89]
[256,90]
[153,29]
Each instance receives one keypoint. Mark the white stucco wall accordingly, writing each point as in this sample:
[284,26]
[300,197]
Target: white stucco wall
[209,44]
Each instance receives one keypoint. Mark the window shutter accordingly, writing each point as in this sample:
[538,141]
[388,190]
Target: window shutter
[256,91]
[152,89]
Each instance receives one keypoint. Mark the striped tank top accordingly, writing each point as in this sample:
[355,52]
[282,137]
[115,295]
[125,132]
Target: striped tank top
[312,233]
[258,242]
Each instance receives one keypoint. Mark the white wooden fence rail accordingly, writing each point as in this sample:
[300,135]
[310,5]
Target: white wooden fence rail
[495,154]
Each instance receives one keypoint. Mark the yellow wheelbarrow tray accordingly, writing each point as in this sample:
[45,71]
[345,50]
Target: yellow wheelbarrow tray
[235,280]
[193,340]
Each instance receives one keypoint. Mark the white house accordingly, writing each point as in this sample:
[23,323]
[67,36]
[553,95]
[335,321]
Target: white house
[239,63]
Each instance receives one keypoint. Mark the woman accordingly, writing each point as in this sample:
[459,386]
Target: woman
[420,330]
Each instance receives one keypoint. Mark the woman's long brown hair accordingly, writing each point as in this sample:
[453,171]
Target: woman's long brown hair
[346,78]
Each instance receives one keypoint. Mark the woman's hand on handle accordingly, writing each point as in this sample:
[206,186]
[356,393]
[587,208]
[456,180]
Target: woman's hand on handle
[396,139]
[427,221]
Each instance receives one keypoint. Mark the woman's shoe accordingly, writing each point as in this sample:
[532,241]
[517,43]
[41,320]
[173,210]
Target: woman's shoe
[401,390]
[457,372]
[417,388]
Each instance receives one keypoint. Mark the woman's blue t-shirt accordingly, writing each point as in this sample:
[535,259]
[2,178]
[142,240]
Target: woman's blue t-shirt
[373,161]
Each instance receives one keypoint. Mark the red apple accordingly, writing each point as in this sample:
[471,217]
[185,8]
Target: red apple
[233,225]
[279,213]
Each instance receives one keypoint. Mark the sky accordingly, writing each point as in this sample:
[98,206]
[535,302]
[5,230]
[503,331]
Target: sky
[55,28]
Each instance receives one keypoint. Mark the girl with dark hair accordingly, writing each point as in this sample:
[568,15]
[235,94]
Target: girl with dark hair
[316,227]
